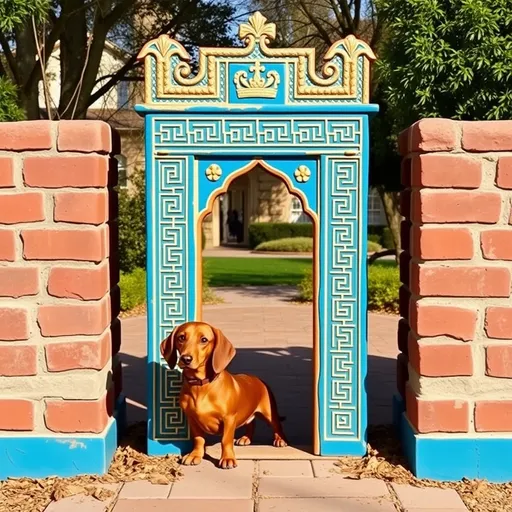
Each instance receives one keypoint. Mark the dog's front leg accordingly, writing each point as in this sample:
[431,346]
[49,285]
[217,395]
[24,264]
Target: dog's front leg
[227,459]
[196,455]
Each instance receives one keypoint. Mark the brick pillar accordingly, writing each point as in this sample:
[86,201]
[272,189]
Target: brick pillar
[454,372]
[60,398]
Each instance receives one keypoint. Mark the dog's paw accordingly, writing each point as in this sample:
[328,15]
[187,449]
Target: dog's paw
[279,442]
[191,459]
[227,463]
[243,441]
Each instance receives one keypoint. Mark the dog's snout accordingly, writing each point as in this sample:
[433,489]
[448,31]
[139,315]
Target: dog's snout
[186,359]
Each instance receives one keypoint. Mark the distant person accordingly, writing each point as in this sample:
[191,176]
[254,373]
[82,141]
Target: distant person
[235,226]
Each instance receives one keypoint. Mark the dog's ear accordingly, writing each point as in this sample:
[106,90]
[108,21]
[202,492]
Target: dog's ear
[168,349]
[223,352]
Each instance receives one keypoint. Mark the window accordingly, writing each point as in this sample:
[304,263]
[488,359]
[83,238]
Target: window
[122,94]
[121,171]
[296,212]
[376,216]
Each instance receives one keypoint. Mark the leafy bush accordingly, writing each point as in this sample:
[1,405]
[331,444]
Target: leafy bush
[383,286]
[9,108]
[373,246]
[387,239]
[132,224]
[265,231]
[298,244]
[374,238]
[133,289]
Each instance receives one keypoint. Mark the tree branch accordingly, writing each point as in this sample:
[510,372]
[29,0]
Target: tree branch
[348,16]
[339,16]
[11,62]
[321,30]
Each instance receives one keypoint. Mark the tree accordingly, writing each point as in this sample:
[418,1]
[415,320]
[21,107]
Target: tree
[446,58]
[81,28]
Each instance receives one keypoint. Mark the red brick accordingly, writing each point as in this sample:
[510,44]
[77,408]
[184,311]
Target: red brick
[402,373]
[19,281]
[26,135]
[499,361]
[84,244]
[442,206]
[6,172]
[437,415]
[403,335]
[16,415]
[440,243]
[405,259]
[433,135]
[493,416]
[84,136]
[74,320]
[430,281]
[79,283]
[403,142]
[66,171]
[81,207]
[504,172]
[13,324]
[405,203]
[77,355]
[497,244]
[7,245]
[69,416]
[446,171]
[404,298]
[18,360]
[487,135]
[498,323]
[454,322]
[434,360]
[23,207]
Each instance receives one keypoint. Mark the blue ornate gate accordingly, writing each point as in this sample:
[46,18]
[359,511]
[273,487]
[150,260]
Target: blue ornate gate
[260,106]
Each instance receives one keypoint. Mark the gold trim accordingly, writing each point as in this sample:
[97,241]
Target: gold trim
[316,268]
[257,33]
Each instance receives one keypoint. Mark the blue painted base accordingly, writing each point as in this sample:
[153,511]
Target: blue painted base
[159,448]
[451,457]
[34,456]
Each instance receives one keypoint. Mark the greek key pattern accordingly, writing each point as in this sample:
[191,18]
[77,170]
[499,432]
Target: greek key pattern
[341,376]
[171,273]
[266,133]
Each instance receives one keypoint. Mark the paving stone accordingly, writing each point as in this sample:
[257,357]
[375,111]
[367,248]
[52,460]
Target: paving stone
[321,488]
[208,481]
[143,489]
[286,468]
[428,498]
[326,505]
[83,503]
[188,505]
[325,469]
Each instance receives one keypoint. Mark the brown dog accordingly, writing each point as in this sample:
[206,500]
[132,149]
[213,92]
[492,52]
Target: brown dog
[214,401]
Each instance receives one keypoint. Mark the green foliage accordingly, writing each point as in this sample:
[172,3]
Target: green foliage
[383,286]
[209,296]
[387,239]
[132,224]
[374,238]
[265,231]
[449,59]
[133,289]
[373,246]
[15,12]
[298,244]
[9,108]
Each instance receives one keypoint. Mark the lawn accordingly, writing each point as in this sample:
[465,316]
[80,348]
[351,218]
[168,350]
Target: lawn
[256,271]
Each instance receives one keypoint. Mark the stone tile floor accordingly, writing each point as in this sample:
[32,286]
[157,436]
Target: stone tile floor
[273,340]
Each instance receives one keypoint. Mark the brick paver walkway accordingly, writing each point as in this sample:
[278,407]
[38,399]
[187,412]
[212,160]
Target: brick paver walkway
[273,340]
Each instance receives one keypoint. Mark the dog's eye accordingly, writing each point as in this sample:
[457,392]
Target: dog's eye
[204,340]
[181,337]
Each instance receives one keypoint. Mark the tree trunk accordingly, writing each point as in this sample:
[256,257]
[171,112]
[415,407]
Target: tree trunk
[26,60]
[391,203]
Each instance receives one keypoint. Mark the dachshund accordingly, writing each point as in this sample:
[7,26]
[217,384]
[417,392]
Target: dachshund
[215,401]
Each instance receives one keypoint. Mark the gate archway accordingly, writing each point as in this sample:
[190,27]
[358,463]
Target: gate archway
[247,106]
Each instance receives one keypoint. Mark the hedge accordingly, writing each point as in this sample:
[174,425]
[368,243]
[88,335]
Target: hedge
[297,244]
[260,232]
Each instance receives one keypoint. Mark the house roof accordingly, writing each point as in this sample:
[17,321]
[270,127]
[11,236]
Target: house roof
[123,119]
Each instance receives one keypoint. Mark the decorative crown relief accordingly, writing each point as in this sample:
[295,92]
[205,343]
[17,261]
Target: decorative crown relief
[169,76]
[257,86]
